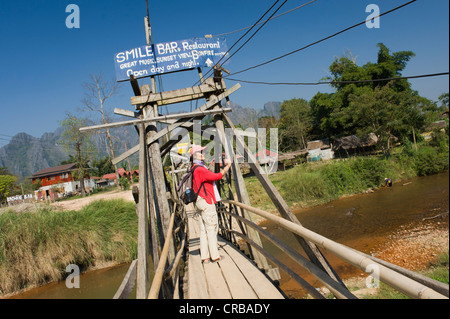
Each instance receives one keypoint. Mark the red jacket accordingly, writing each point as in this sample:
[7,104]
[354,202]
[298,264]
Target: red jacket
[205,176]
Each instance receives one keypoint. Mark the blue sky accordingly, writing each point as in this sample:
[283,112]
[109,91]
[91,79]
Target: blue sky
[44,64]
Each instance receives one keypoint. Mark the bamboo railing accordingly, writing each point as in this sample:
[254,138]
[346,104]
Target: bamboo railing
[418,289]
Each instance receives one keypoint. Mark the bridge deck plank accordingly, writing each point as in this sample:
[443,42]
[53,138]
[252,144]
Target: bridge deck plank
[236,277]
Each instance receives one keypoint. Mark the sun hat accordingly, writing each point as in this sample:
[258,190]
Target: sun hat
[197,148]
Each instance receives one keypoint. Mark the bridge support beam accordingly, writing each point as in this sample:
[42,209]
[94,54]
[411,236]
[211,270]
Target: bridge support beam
[310,248]
[242,195]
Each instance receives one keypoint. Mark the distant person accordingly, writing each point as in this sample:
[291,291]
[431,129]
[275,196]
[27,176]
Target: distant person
[204,185]
[387,182]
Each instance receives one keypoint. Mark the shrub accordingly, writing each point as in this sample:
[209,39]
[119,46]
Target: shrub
[429,161]
[124,183]
[306,187]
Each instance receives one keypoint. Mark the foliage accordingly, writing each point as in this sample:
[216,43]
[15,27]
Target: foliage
[36,246]
[4,171]
[444,99]
[6,184]
[124,183]
[390,109]
[77,143]
[37,184]
[429,160]
[294,125]
[102,166]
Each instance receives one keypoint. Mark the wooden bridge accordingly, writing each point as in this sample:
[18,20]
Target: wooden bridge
[235,277]
[168,232]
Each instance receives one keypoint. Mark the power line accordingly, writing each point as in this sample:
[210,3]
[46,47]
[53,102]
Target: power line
[272,18]
[254,33]
[257,22]
[342,82]
[319,41]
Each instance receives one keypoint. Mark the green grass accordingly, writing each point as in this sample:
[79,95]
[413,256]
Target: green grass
[36,247]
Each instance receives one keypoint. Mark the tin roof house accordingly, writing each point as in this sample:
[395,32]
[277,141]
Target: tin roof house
[59,180]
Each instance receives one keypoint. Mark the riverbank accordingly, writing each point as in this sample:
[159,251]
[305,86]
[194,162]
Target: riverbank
[37,245]
[317,183]
[422,248]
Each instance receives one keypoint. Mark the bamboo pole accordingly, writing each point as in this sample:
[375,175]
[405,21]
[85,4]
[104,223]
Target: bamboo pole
[337,289]
[154,118]
[396,280]
[159,273]
[143,281]
[313,252]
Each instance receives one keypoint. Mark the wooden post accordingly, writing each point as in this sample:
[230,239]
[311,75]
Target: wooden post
[310,248]
[242,195]
[162,208]
[143,282]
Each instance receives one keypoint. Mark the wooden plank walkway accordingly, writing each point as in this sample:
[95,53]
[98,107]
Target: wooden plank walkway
[236,277]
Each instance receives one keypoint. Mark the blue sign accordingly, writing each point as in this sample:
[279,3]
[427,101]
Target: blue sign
[169,57]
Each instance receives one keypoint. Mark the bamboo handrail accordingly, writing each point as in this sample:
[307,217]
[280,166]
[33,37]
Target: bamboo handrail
[336,288]
[396,280]
[171,270]
[159,273]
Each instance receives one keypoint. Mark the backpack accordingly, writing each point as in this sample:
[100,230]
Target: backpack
[185,187]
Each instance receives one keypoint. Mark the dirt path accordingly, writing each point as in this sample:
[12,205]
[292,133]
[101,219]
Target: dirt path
[79,203]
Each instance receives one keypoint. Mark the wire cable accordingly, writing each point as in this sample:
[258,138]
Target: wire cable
[342,82]
[281,14]
[319,41]
[257,22]
[254,33]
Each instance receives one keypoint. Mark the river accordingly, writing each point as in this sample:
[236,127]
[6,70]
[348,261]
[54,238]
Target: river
[365,222]
[362,222]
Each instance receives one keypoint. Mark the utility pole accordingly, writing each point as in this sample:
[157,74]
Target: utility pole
[148,27]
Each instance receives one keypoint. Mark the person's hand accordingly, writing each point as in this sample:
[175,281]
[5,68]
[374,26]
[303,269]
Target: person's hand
[227,162]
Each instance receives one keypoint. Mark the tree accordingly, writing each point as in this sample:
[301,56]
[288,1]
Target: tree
[78,143]
[102,166]
[97,92]
[295,124]
[385,112]
[4,171]
[7,183]
[390,109]
[444,99]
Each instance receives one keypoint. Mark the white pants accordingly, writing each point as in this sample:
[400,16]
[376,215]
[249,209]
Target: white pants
[209,228]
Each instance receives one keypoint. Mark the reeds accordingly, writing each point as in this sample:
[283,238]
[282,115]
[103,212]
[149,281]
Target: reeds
[36,247]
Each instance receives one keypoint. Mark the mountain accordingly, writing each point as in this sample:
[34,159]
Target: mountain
[26,154]
[245,116]
[248,116]
[271,109]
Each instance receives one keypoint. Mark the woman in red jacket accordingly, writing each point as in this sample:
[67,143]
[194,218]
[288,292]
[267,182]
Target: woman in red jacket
[204,184]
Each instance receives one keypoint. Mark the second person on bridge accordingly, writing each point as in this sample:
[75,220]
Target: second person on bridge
[204,184]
